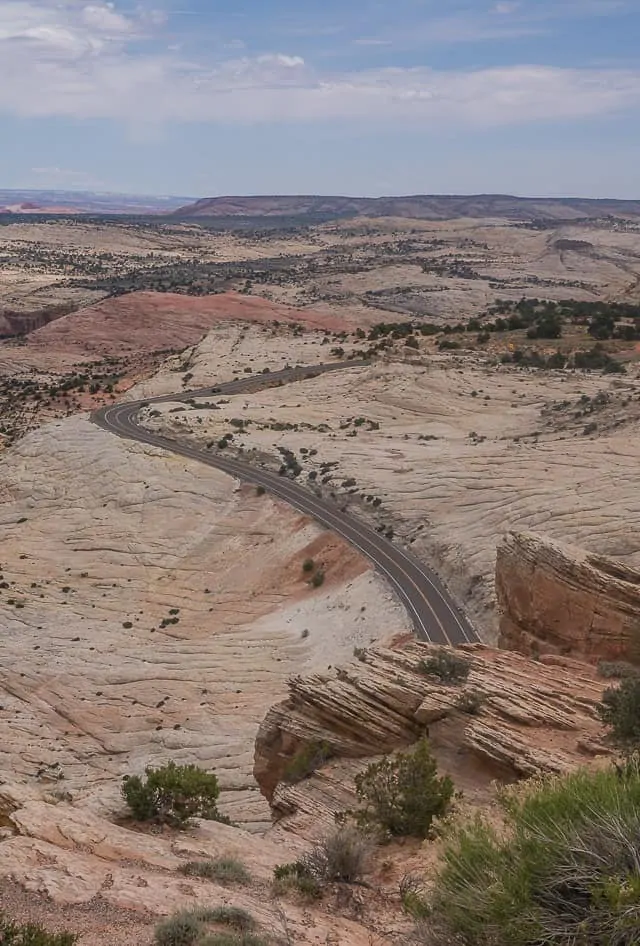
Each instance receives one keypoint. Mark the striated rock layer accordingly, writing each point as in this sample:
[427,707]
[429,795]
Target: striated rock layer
[561,599]
[513,717]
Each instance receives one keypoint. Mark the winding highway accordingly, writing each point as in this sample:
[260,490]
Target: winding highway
[435,614]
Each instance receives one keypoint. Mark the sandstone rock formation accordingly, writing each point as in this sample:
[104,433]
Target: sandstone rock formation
[526,717]
[150,321]
[561,599]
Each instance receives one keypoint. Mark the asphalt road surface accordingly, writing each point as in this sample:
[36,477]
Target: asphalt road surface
[435,614]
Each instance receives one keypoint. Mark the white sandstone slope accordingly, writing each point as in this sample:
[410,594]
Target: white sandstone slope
[152,608]
[456,451]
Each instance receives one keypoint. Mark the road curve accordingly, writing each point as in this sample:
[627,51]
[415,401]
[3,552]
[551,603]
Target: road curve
[435,615]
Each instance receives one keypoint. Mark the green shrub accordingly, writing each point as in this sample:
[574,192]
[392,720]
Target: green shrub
[402,795]
[224,870]
[181,929]
[318,579]
[235,917]
[296,877]
[471,702]
[620,712]
[563,871]
[30,934]
[173,794]
[308,566]
[306,761]
[413,897]
[190,928]
[447,666]
[282,871]
[617,670]
[342,856]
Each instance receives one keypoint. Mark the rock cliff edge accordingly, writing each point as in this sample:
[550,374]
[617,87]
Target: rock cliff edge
[561,599]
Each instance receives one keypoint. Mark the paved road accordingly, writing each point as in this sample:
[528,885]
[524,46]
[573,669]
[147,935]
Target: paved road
[435,615]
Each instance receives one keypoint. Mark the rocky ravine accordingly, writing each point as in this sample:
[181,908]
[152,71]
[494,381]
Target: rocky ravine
[558,598]
[530,717]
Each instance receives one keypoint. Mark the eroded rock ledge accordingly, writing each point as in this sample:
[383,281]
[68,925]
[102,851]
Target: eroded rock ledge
[561,599]
[532,716]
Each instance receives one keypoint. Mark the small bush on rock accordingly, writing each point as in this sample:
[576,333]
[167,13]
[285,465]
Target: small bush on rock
[235,917]
[402,795]
[617,670]
[15,934]
[173,795]
[191,928]
[224,870]
[471,702]
[447,666]
[181,929]
[296,876]
[340,857]
[306,761]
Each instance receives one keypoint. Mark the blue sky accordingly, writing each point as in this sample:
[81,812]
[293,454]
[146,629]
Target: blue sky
[206,97]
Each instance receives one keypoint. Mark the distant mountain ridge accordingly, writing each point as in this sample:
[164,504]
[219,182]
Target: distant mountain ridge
[316,207]
[421,207]
[31,202]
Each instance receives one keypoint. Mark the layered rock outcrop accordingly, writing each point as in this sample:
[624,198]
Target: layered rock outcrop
[513,716]
[561,599]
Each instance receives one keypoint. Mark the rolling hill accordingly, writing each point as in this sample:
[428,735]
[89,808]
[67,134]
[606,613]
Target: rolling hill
[423,207]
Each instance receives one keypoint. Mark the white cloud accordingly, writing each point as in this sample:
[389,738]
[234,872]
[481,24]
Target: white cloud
[104,18]
[75,59]
[40,28]
[289,62]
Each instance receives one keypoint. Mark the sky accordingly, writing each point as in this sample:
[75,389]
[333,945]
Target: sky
[359,97]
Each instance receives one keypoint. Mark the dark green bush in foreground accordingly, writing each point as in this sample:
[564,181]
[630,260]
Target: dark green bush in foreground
[566,872]
[620,712]
[401,795]
[173,794]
